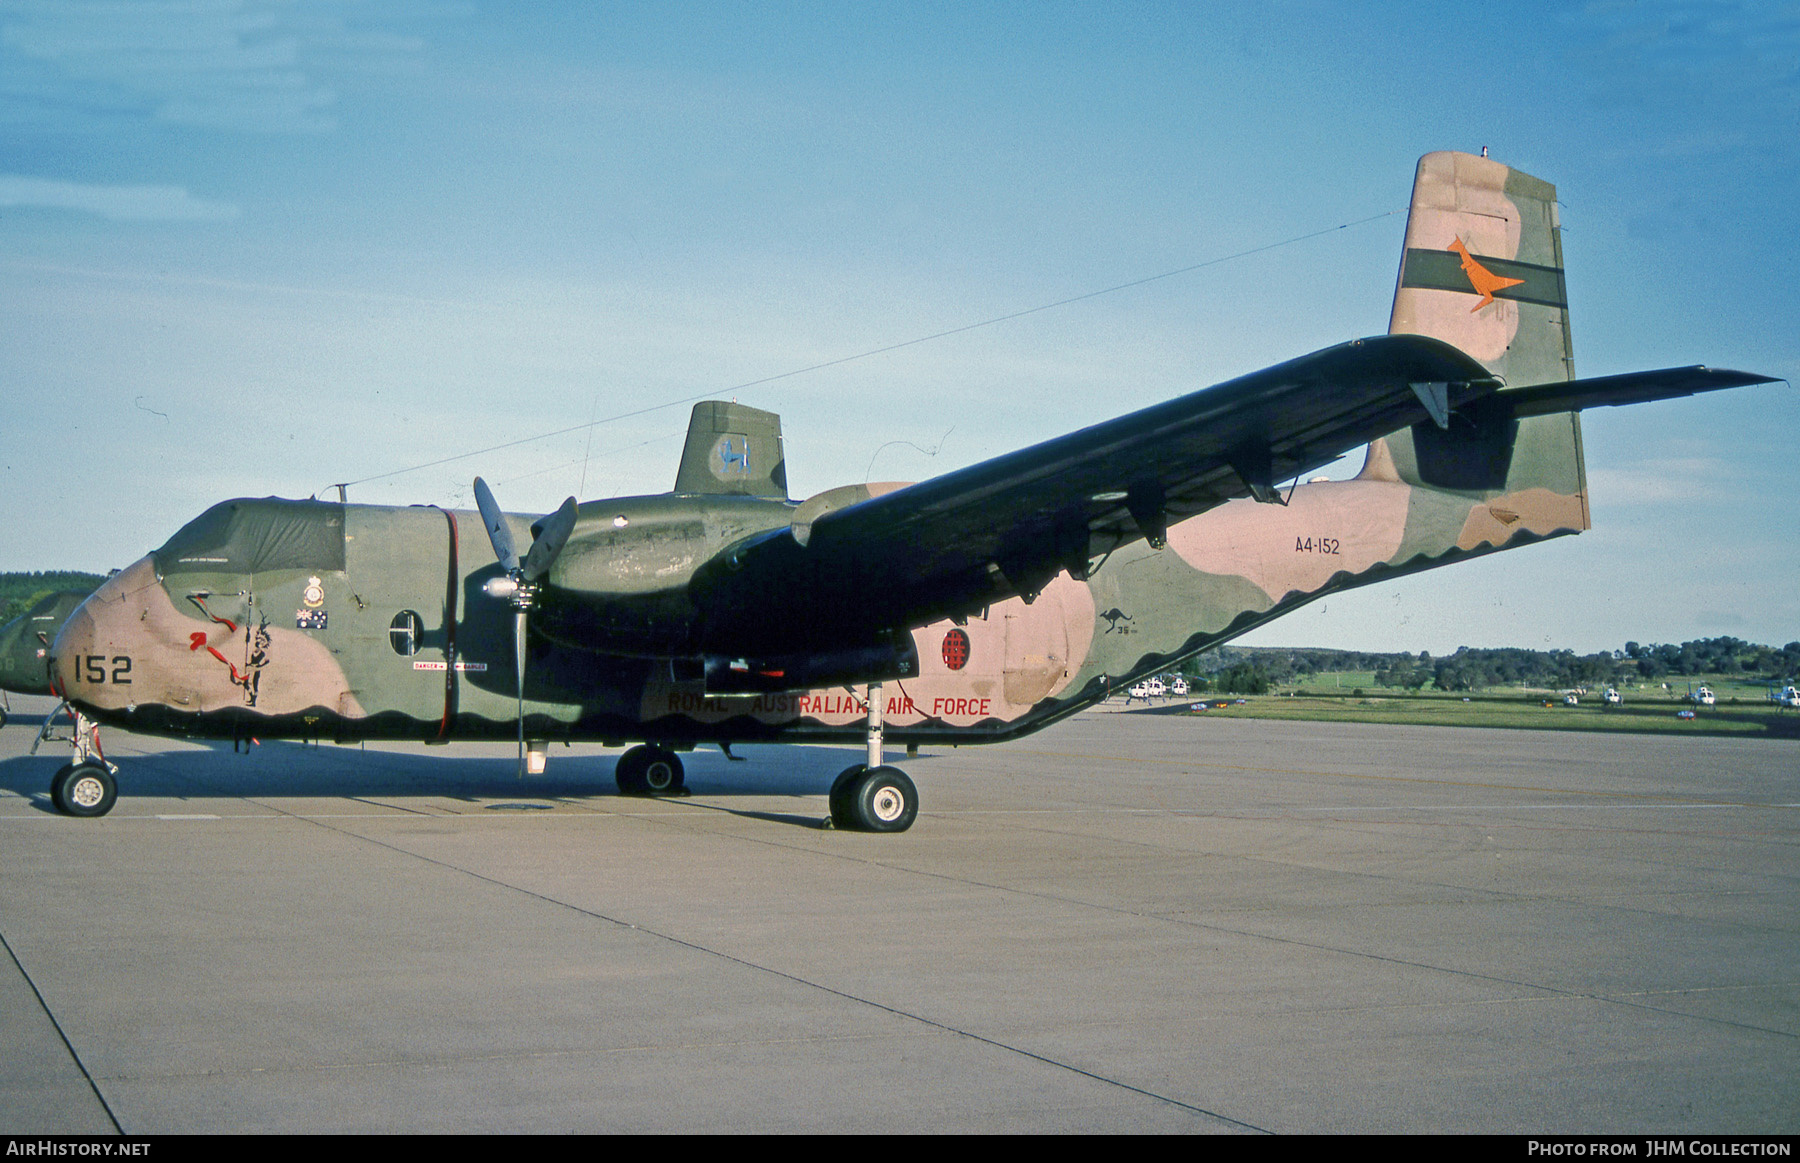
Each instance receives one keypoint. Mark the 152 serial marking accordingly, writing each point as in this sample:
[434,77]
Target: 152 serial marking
[1327,545]
[91,668]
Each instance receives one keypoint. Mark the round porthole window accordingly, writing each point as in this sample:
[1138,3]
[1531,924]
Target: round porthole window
[404,632]
[956,649]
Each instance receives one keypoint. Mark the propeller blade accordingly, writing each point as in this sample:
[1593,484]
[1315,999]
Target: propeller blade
[552,533]
[519,669]
[498,531]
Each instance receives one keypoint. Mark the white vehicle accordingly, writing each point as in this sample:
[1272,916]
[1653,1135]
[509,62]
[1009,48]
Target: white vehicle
[1613,697]
[1571,699]
[1789,697]
[1179,687]
[1704,697]
[1138,690]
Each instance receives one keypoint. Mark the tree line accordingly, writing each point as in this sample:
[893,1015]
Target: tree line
[1253,670]
[21,591]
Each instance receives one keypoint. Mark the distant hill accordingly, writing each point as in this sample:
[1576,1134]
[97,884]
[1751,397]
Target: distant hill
[20,591]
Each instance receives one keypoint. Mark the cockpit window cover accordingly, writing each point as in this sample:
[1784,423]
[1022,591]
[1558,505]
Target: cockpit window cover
[256,536]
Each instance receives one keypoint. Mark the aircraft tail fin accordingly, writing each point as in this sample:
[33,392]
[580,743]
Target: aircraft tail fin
[733,450]
[1483,269]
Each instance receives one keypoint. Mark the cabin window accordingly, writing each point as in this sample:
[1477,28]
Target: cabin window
[403,633]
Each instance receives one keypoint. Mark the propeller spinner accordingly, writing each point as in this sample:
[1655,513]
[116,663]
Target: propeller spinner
[520,585]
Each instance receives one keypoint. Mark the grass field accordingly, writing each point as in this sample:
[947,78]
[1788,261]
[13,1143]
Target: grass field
[1329,698]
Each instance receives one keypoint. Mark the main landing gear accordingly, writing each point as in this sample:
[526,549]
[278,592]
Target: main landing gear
[872,797]
[869,797]
[85,787]
[648,770]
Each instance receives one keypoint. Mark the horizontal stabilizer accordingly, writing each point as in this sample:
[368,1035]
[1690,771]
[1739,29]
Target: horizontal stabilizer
[1630,388]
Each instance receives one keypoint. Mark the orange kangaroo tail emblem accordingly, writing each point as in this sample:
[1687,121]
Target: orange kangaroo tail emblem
[1484,281]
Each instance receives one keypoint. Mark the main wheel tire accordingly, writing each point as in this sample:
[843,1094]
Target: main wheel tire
[629,772]
[843,814]
[86,789]
[883,799]
[56,782]
[2,716]
[663,773]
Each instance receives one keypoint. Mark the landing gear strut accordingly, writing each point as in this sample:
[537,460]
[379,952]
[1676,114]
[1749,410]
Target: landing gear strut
[648,770]
[872,797]
[85,787]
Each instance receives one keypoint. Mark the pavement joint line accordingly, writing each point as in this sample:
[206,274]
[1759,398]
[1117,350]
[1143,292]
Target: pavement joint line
[521,1055]
[74,1056]
[802,981]
[667,818]
[578,807]
[1342,951]
[1192,765]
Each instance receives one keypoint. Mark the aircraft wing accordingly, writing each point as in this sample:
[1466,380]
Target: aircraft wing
[1007,526]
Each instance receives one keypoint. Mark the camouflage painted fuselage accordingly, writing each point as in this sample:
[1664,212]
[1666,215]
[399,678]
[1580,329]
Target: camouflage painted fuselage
[25,643]
[385,633]
[322,620]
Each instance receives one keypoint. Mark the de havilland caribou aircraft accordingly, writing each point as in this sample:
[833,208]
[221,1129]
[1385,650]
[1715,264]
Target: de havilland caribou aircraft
[25,646]
[975,607]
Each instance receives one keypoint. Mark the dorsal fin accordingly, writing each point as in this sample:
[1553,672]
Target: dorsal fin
[734,450]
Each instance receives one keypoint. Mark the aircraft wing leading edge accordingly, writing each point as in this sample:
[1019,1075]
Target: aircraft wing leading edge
[1007,526]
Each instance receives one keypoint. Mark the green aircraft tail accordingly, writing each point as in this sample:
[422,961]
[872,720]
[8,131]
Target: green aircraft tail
[1483,269]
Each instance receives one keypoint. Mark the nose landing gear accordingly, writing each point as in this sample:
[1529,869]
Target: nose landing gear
[85,787]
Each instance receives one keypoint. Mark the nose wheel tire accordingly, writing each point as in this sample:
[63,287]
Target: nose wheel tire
[650,771]
[880,799]
[84,789]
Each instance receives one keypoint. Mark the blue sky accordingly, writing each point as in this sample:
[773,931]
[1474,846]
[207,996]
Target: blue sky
[258,248]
